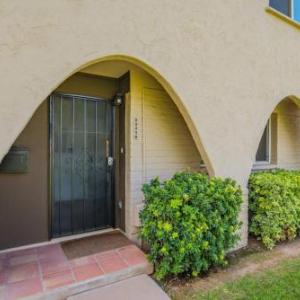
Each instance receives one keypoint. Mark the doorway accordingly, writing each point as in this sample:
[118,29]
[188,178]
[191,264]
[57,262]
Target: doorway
[81,141]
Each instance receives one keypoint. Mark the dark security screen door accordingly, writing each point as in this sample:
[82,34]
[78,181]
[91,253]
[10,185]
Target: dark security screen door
[81,181]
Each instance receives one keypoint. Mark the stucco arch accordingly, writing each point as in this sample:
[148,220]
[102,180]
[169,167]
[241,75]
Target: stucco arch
[283,132]
[295,99]
[155,74]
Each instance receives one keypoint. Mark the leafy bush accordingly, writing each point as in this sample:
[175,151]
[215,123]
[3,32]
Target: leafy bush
[189,222]
[274,203]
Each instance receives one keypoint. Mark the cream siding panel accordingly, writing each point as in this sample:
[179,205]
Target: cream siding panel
[168,144]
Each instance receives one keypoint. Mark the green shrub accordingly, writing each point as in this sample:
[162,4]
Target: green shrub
[274,203]
[189,222]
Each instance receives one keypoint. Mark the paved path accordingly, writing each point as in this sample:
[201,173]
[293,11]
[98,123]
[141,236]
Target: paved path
[135,288]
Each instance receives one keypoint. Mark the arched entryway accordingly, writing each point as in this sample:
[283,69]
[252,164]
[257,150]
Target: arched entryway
[279,146]
[105,130]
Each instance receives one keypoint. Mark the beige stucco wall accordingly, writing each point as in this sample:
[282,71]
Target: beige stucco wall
[226,64]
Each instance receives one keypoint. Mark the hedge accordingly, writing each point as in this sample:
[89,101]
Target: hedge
[274,203]
[189,222]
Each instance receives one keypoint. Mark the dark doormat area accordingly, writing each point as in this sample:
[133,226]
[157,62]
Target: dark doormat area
[94,244]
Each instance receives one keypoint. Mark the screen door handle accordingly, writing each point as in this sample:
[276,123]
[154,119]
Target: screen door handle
[110,159]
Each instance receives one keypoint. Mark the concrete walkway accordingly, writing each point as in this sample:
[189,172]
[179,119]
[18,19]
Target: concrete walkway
[135,288]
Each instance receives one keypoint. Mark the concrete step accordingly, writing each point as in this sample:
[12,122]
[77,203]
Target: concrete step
[138,267]
[134,288]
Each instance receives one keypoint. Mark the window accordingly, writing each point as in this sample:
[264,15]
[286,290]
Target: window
[284,6]
[264,148]
[290,8]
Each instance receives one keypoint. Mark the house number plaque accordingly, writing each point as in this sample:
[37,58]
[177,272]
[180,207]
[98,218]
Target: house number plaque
[135,128]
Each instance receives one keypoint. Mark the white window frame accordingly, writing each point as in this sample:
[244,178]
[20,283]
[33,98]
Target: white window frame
[292,9]
[269,146]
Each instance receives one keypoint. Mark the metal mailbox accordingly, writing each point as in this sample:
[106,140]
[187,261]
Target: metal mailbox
[15,161]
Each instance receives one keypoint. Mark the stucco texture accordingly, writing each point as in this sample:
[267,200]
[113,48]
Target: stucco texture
[226,64]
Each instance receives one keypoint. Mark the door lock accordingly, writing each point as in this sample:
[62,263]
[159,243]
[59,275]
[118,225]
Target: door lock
[110,161]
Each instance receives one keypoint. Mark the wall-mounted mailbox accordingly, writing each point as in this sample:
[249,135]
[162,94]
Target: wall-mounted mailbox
[15,161]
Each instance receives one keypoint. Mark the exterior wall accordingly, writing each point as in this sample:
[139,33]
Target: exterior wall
[225,64]
[159,141]
[24,197]
[288,135]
